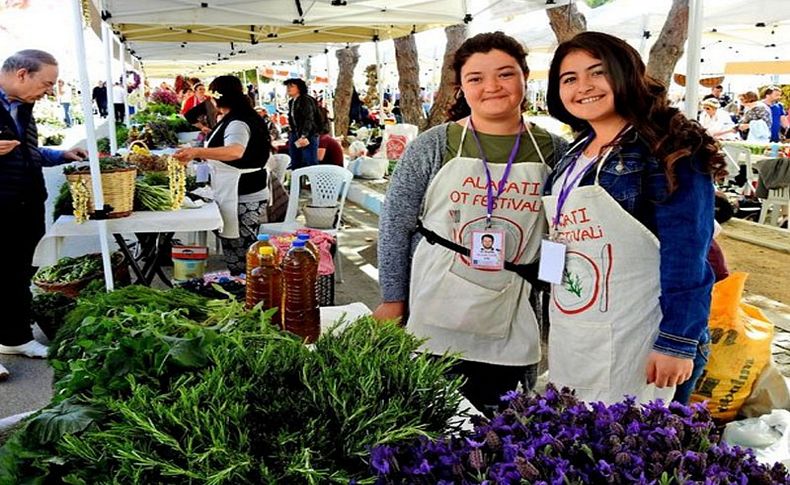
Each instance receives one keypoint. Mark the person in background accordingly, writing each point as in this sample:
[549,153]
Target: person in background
[304,125]
[99,96]
[631,207]
[25,77]
[118,93]
[271,128]
[754,110]
[64,98]
[717,121]
[197,97]
[437,205]
[771,98]
[237,149]
[717,93]
[330,152]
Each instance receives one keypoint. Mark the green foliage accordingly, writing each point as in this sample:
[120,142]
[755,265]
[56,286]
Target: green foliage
[63,202]
[105,164]
[596,3]
[167,387]
[103,145]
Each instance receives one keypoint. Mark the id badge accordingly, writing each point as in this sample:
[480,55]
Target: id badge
[488,249]
[552,262]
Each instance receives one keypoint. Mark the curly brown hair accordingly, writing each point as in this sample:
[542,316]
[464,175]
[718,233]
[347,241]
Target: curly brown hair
[483,44]
[642,101]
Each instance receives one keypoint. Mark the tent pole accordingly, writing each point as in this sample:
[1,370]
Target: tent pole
[378,83]
[122,48]
[90,132]
[107,40]
[330,92]
[693,58]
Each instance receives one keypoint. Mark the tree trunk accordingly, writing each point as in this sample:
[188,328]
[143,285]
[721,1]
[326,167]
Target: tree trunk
[668,49]
[566,21]
[409,80]
[445,95]
[347,61]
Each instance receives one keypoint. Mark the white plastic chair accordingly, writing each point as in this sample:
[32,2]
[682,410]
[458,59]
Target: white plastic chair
[277,165]
[329,185]
[779,201]
[737,156]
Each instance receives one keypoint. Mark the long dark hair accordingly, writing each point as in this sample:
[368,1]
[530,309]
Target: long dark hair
[299,83]
[482,44]
[642,101]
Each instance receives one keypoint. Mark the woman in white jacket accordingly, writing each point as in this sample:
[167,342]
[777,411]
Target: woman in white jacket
[717,121]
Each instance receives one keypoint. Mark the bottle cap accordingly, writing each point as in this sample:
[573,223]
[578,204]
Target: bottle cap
[298,243]
[303,235]
[263,237]
[266,251]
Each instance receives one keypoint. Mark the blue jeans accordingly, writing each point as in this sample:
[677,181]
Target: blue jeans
[683,391]
[67,113]
[302,157]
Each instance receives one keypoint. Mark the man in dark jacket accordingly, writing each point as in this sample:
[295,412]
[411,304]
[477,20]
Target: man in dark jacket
[25,77]
[304,125]
[99,96]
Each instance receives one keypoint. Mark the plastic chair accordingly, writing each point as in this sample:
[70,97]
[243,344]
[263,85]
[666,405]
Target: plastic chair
[277,165]
[329,185]
[739,155]
[778,200]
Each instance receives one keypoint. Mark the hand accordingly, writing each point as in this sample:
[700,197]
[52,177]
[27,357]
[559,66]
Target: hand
[667,371]
[184,155]
[302,142]
[7,146]
[390,310]
[75,154]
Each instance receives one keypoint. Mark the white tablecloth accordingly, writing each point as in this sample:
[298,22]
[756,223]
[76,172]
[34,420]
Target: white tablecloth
[206,218]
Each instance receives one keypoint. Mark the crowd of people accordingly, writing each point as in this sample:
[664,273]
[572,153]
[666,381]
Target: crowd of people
[752,117]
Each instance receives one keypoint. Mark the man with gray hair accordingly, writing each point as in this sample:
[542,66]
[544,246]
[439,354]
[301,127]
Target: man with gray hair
[25,77]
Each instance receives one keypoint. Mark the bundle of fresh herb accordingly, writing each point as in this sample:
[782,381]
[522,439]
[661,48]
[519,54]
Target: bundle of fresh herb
[168,387]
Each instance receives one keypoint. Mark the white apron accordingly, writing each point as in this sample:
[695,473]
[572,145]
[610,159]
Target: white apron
[485,315]
[605,314]
[225,185]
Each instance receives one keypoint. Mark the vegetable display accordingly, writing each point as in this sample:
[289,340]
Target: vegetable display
[555,438]
[168,387]
[70,269]
[105,164]
[151,197]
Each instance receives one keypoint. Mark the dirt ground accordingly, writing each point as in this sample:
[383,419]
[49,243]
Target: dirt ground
[767,268]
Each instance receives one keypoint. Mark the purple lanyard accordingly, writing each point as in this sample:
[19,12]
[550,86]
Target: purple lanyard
[501,186]
[567,188]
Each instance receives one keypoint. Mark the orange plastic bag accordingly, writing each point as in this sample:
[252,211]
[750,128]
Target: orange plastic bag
[741,337]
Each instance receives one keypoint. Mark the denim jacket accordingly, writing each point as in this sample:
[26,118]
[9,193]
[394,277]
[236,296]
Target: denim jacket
[683,224]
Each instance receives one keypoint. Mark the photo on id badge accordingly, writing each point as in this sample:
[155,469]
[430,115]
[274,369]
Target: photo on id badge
[488,251]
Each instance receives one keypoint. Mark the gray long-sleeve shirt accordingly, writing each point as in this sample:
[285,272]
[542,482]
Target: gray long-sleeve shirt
[403,204]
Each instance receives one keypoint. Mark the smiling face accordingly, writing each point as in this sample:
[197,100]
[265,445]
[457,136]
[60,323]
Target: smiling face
[584,88]
[493,85]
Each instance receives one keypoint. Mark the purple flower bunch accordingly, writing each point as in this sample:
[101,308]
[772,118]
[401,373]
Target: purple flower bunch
[165,96]
[556,439]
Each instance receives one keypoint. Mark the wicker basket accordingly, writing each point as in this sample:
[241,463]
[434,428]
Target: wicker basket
[320,217]
[118,188]
[72,289]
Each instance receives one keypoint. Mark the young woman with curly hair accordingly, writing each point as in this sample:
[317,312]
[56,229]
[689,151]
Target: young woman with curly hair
[631,204]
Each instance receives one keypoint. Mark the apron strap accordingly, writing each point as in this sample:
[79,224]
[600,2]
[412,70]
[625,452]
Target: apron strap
[527,271]
[463,136]
[534,142]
